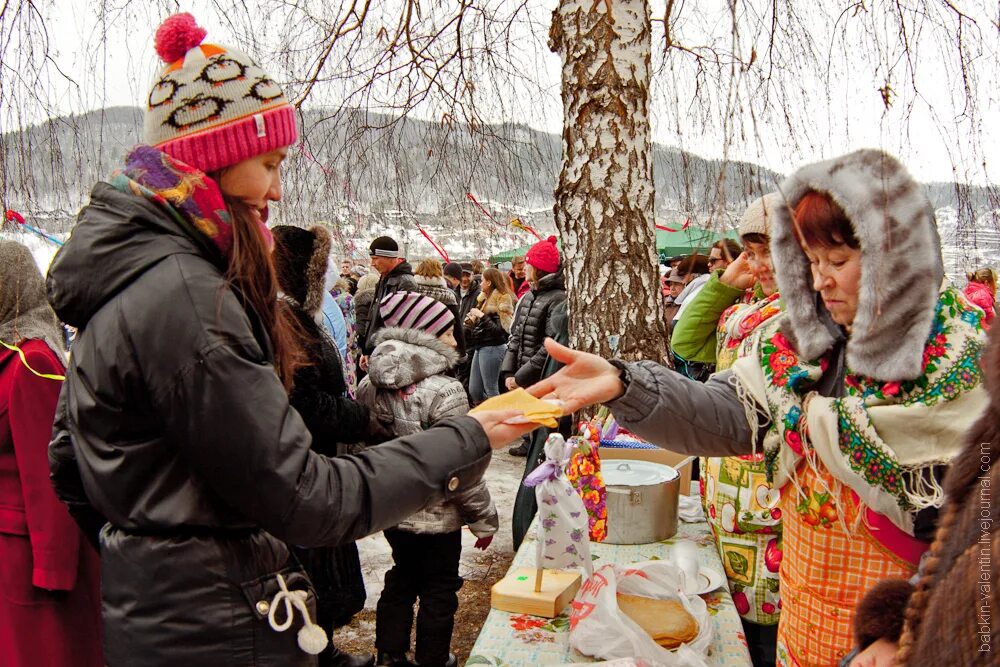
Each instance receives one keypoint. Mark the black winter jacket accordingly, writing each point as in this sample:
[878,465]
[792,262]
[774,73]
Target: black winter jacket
[174,428]
[525,353]
[362,313]
[319,394]
[466,303]
[486,332]
[400,279]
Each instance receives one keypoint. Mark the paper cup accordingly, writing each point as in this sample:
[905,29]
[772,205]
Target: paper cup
[685,556]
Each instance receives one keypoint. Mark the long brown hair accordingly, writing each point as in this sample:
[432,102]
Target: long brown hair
[499,282]
[251,272]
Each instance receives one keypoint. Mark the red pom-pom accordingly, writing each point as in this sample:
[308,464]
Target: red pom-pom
[551,240]
[177,35]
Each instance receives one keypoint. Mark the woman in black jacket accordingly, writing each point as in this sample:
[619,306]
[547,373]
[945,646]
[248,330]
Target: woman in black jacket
[487,329]
[174,436]
[320,397]
[525,358]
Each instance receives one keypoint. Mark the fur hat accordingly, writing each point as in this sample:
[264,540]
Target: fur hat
[901,268]
[211,106]
[300,260]
[410,310]
[757,218]
[384,246]
[544,255]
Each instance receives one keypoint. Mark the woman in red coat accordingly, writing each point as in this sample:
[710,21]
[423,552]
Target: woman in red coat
[50,609]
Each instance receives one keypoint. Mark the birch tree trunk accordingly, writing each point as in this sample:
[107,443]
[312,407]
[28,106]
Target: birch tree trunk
[604,198]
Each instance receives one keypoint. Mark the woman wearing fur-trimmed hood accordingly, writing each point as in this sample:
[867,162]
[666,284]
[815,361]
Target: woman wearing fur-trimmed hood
[859,395]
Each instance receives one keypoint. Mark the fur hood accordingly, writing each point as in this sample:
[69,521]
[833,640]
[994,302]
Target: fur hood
[404,357]
[901,268]
[498,303]
[425,281]
[301,258]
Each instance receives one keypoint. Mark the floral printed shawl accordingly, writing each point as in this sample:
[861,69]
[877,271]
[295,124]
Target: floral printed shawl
[882,439]
[738,322]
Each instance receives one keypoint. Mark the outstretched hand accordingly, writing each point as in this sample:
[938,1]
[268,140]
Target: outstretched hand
[500,433]
[584,380]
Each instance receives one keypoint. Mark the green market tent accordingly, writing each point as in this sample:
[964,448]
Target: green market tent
[687,241]
[668,244]
[508,255]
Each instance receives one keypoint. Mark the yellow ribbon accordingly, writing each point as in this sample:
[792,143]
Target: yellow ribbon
[20,353]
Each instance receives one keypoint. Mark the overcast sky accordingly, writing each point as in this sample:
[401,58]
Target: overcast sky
[110,56]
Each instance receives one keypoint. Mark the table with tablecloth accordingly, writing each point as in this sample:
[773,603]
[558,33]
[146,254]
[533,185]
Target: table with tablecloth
[520,640]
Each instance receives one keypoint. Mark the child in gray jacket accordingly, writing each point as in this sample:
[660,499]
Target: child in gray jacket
[407,391]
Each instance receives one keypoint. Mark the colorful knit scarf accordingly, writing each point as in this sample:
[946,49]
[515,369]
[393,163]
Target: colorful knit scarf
[882,439]
[189,196]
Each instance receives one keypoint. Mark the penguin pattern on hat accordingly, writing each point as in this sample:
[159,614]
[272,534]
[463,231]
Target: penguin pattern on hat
[212,106]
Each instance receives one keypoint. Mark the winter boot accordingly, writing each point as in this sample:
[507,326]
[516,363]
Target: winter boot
[388,659]
[519,450]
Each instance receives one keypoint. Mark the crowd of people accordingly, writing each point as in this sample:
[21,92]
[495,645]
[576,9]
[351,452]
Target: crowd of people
[188,483]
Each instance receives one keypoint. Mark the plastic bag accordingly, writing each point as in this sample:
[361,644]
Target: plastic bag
[598,628]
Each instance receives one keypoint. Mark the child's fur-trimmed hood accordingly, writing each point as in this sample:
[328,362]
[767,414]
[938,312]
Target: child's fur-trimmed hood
[403,357]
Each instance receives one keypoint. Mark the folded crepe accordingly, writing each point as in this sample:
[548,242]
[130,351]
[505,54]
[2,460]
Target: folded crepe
[666,621]
[534,410]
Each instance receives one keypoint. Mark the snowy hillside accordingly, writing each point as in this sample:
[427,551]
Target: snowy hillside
[968,247]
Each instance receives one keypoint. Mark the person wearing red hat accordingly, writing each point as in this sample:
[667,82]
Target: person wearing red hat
[525,358]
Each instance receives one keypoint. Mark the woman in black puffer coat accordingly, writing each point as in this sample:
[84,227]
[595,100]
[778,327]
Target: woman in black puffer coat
[175,446]
[320,396]
[525,358]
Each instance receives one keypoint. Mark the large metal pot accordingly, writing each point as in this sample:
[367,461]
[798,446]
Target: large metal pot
[642,501]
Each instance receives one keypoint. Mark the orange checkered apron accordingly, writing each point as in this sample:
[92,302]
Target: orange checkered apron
[825,571]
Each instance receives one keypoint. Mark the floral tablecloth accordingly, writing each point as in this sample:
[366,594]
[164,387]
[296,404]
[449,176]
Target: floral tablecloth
[520,640]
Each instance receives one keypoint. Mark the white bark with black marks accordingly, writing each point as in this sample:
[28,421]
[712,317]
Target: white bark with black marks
[604,198]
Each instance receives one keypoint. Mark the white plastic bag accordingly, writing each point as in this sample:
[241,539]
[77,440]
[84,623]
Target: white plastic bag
[598,627]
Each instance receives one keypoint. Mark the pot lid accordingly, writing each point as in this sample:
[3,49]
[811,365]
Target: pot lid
[617,472]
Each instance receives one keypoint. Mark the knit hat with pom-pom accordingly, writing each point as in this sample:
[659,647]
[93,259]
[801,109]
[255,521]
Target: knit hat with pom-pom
[544,255]
[211,106]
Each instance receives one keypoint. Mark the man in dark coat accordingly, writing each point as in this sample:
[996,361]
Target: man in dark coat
[467,292]
[517,277]
[396,276]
